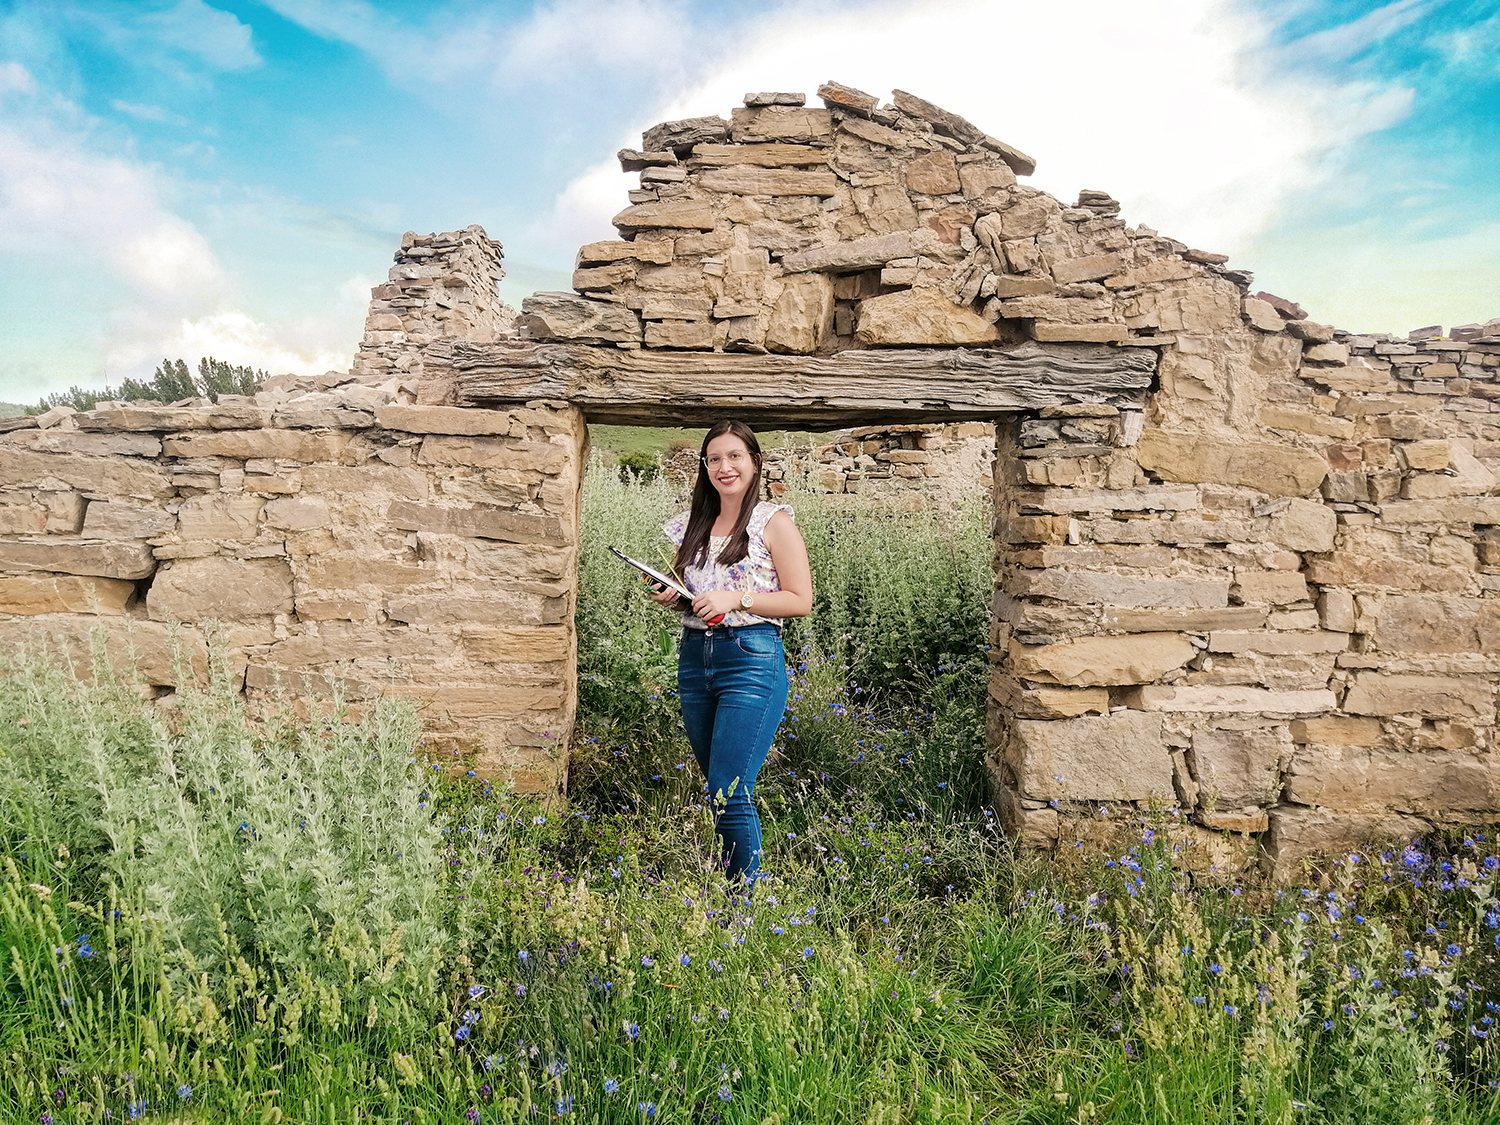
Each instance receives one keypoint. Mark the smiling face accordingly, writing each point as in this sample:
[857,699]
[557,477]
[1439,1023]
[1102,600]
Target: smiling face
[730,466]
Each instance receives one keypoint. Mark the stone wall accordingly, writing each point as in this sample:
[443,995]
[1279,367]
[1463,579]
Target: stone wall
[338,532]
[799,230]
[1247,566]
[1256,594]
[1275,608]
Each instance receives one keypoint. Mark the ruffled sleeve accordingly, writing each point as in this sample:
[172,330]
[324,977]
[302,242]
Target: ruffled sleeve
[676,527]
[762,516]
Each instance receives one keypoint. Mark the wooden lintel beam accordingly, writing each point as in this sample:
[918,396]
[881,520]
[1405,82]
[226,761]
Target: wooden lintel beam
[649,386]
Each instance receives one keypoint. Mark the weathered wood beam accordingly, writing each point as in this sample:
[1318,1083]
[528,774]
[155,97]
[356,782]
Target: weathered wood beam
[647,386]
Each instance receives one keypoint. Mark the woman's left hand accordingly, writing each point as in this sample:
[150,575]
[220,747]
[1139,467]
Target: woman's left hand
[711,603]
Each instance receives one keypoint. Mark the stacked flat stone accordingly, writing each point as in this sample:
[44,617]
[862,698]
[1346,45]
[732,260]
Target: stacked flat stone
[442,285]
[339,533]
[1284,624]
[801,230]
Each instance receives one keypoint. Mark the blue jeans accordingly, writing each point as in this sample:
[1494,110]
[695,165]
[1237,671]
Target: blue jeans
[733,685]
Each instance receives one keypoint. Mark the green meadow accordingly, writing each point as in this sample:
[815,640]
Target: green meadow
[210,917]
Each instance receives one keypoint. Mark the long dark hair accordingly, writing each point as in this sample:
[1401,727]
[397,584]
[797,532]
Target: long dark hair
[705,506]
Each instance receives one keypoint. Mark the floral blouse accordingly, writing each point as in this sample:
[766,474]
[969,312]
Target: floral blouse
[754,574]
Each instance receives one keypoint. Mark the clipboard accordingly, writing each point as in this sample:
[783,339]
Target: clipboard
[661,579]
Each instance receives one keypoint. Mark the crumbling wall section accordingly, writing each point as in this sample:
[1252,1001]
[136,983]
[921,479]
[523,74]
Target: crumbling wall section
[805,230]
[328,537]
[442,286]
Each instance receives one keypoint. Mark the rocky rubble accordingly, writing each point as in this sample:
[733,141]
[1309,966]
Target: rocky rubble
[908,467]
[442,285]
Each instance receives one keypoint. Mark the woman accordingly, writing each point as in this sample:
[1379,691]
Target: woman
[745,562]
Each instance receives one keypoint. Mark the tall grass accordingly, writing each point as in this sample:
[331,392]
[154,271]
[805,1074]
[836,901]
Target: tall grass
[208,918]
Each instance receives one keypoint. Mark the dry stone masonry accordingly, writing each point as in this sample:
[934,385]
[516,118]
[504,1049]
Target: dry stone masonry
[1247,565]
[338,535]
[442,286]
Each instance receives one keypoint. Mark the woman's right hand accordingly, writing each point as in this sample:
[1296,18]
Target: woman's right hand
[660,594]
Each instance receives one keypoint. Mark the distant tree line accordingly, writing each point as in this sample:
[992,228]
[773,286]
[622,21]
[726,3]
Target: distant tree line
[171,382]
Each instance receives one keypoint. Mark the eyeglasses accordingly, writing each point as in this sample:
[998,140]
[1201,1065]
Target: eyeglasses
[737,459]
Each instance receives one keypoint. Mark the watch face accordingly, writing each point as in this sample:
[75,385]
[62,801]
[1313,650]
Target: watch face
[746,601]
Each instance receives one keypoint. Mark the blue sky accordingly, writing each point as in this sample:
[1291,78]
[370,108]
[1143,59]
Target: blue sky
[185,177]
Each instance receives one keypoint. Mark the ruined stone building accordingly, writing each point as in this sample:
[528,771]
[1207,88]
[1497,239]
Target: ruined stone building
[1245,563]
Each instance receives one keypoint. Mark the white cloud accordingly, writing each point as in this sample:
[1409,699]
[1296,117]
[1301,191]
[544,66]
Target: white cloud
[195,28]
[1155,102]
[584,208]
[235,337]
[16,79]
[60,197]
[65,201]
[1474,49]
[564,41]
[1343,41]
[567,37]
[154,113]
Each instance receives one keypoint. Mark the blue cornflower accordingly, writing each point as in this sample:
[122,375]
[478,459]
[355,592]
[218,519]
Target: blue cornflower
[806,952]
[778,930]
[1231,1009]
[471,1016]
[610,1085]
[565,1104]
[715,966]
[646,961]
[184,1091]
[557,1068]
[476,991]
[684,960]
[647,1108]
[523,957]
[462,1033]
[633,1030]
[1454,951]
[725,1094]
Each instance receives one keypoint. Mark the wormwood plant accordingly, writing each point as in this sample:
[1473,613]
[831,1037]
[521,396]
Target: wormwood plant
[194,881]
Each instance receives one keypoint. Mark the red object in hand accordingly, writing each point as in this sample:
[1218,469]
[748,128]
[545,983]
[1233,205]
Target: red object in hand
[655,585]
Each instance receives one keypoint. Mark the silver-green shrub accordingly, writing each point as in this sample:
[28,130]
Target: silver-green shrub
[304,852]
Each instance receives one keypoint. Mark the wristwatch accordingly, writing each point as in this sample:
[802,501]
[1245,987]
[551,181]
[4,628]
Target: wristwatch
[746,601]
